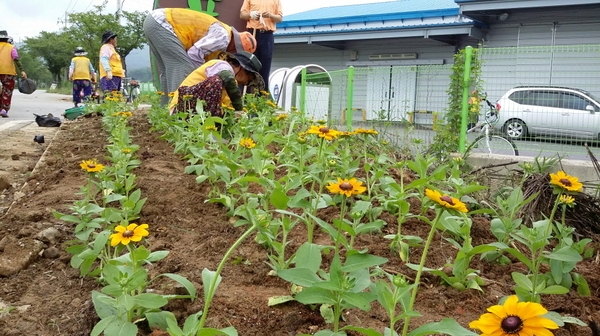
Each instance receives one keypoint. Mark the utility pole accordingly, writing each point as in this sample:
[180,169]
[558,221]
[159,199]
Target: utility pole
[119,8]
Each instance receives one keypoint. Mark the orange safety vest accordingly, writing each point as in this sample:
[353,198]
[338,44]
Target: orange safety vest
[82,68]
[190,26]
[196,77]
[7,64]
[116,66]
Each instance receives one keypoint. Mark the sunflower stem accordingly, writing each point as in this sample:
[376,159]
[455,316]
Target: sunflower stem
[213,283]
[420,271]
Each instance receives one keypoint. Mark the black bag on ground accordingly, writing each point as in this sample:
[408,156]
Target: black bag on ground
[47,120]
[27,86]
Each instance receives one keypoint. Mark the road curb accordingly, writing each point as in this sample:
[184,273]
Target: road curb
[14,125]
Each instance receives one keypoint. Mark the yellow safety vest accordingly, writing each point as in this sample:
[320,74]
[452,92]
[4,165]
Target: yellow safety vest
[190,26]
[196,77]
[82,68]
[7,64]
[116,66]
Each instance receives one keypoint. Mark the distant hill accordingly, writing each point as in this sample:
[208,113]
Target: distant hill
[138,59]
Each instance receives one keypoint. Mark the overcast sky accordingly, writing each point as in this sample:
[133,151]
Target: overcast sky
[26,18]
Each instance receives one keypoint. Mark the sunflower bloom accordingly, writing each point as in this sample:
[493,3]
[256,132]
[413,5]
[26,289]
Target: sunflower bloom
[346,187]
[271,103]
[171,94]
[160,93]
[211,128]
[124,235]
[125,150]
[515,318]
[365,131]
[247,143]
[91,166]
[566,199]
[281,116]
[446,201]
[567,182]
[324,132]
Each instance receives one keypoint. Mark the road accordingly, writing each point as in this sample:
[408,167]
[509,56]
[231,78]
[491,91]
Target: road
[24,106]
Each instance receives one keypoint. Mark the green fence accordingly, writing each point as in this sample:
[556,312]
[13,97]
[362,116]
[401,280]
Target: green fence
[403,102]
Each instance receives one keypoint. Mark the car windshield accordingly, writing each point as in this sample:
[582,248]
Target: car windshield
[593,97]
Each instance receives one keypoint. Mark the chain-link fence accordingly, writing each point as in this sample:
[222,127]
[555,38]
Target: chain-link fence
[547,98]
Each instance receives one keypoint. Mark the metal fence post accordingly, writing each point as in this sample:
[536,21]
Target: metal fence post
[303,91]
[349,98]
[465,100]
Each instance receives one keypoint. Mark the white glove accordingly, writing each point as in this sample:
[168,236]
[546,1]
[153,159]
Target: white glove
[254,15]
[109,75]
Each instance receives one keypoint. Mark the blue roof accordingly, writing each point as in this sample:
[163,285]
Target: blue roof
[391,10]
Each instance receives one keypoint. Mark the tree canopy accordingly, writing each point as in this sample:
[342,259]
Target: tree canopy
[55,49]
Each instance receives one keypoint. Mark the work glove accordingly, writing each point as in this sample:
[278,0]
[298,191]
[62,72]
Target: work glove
[109,75]
[254,15]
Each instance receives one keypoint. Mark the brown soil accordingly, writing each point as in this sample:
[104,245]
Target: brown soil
[52,299]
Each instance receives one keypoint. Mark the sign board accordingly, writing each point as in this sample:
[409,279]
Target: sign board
[227,11]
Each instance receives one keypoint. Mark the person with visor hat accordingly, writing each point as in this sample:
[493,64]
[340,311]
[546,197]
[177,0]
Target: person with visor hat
[111,67]
[182,40]
[217,83]
[82,74]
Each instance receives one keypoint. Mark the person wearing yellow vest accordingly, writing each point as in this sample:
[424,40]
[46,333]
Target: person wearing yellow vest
[82,74]
[111,67]
[9,63]
[182,39]
[216,83]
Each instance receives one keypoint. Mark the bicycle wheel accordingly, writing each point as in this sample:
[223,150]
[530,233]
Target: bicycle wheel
[494,144]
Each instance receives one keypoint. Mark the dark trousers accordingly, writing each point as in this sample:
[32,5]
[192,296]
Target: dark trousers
[264,52]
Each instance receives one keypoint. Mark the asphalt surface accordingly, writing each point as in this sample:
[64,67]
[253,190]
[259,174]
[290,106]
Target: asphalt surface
[24,106]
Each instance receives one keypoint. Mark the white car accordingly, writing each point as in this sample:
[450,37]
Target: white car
[549,111]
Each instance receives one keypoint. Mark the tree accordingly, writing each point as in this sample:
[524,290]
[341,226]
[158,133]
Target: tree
[87,29]
[34,66]
[55,49]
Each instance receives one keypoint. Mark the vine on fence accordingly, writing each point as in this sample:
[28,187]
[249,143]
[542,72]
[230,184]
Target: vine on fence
[448,130]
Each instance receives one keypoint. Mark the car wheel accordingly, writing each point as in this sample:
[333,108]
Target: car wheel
[515,129]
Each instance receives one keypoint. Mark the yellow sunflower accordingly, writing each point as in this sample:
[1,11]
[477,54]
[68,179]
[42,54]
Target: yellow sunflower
[171,94]
[211,128]
[346,187]
[515,319]
[247,143]
[271,103]
[281,116]
[160,93]
[567,182]
[187,97]
[124,235]
[126,150]
[566,199]
[324,132]
[91,166]
[365,131]
[446,201]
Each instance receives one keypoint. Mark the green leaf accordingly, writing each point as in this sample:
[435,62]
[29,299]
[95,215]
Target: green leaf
[156,256]
[359,300]
[100,326]
[365,331]
[357,261]
[230,331]
[309,256]
[583,288]
[300,276]
[554,289]
[159,319]
[104,305]
[446,326]
[150,300]
[275,300]
[208,277]
[522,281]
[327,313]
[566,253]
[189,286]
[279,199]
[122,328]
[313,295]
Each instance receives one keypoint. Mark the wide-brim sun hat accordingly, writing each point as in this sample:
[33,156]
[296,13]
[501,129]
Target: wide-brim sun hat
[243,41]
[108,35]
[79,51]
[251,63]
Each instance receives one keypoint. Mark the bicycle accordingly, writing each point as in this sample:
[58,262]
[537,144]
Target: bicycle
[130,89]
[490,142]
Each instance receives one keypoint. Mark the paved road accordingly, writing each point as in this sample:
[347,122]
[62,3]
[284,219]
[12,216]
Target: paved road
[24,106]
